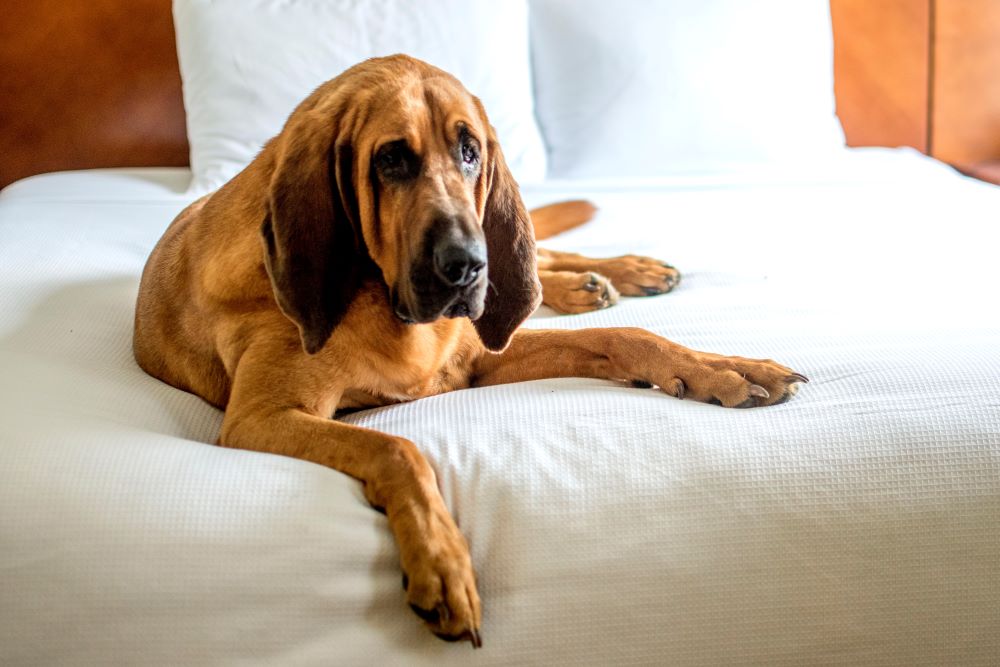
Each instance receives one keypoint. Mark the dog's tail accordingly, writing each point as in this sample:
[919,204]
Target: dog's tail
[560,217]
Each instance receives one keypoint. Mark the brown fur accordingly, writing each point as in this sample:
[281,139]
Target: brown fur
[271,300]
[561,217]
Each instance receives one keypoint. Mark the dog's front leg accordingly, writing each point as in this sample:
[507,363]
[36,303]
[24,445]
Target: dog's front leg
[437,569]
[642,358]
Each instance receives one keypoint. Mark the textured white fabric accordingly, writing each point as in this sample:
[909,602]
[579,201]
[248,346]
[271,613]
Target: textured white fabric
[634,88]
[245,64]
[856,524]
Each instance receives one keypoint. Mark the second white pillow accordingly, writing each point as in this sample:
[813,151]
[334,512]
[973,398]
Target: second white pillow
[638,89]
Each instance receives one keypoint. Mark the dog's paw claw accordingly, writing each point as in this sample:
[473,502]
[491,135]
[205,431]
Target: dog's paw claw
[473,636]
[679,388]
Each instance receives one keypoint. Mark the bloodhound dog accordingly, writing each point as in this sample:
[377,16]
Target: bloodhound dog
[377,250]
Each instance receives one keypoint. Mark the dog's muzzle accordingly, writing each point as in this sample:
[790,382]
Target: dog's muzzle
[449,278]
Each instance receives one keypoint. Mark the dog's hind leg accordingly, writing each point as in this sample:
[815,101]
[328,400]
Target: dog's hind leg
[565,276]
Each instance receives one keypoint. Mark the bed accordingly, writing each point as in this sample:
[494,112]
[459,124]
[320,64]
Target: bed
[855,524]
[609,525]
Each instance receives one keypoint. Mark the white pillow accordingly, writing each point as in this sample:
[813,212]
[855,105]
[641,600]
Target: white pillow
[634,88]
[245,64]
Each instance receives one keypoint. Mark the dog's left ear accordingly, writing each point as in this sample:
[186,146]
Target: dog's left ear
[514,291]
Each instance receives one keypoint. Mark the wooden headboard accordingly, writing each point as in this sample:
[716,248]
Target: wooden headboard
[96,83]
[922,73]
[88,84]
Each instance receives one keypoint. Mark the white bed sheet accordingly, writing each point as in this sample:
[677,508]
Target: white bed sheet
[856,524]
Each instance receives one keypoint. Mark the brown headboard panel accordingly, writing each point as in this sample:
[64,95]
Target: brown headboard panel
[88,84]
[881,68]
[95,83]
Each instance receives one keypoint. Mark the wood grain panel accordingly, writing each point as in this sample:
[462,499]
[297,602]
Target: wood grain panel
[881,60]
[966,112]
[88,83]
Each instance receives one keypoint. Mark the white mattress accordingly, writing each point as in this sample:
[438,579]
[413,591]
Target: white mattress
[857,524]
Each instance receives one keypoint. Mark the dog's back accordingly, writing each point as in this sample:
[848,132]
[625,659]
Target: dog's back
[204,251]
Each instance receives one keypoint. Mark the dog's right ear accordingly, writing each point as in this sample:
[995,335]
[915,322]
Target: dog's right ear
[312,242]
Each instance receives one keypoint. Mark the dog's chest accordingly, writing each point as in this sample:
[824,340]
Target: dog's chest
[419,361]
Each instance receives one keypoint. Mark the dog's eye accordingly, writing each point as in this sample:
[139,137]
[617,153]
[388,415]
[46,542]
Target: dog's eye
[396,161]
[469,156]
[467,153]
[390,157]
[470,153]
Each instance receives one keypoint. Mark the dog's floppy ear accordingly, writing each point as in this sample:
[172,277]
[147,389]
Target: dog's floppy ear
[312,248]
[514,291]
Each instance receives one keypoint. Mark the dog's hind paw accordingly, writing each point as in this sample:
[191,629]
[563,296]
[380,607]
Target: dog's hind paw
[635,275]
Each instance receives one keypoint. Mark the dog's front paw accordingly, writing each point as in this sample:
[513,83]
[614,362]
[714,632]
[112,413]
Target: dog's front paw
[737,382]
[439,581]
[634,275]
[732,382]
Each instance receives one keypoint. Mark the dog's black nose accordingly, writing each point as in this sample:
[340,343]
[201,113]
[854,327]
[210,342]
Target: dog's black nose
[459,263]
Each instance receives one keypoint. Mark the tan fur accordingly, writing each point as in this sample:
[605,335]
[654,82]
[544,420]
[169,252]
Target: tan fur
[270,299]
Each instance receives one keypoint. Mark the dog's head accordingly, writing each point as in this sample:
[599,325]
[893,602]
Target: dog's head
[394,163]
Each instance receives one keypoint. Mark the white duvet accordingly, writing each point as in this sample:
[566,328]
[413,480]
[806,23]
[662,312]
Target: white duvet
[857,524]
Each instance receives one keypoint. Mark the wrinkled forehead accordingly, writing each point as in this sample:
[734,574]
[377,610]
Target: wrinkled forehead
[426,113]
